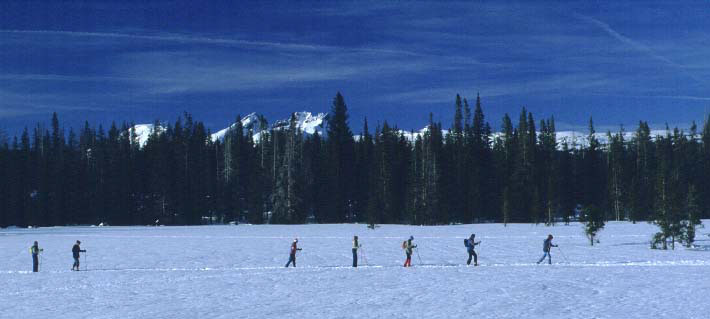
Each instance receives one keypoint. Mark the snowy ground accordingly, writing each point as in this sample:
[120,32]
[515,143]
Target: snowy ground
[237,272]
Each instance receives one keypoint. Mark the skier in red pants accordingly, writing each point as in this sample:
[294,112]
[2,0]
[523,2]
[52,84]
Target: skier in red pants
[408,246]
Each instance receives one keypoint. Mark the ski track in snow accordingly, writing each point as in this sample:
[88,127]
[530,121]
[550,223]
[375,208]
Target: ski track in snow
[237,272]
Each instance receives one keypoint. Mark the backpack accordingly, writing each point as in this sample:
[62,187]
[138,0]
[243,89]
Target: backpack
[465,243]
[404,244]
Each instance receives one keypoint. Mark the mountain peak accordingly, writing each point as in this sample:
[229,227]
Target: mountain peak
[306,121]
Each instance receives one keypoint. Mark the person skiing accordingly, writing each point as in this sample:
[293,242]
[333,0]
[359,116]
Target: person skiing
[75,252]
[35,250]
[408,246]
[470,244]
[292,256]
[546,249]
[356,246]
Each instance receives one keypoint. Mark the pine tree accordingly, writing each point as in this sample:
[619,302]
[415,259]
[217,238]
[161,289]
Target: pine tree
[692,219]
[507,146]
[617,174]
[667,211]
[593,219]
[704,191]
[340,149]
[288,197]
[642,185]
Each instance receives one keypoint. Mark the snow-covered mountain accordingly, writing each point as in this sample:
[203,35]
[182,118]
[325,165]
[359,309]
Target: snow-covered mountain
[143,132]
[574,139]
[249,122]
[310,123]
[306,121]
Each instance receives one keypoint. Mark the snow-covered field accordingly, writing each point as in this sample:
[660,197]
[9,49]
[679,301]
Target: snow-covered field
[237,272]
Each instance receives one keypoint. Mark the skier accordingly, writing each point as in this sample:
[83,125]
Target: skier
[470,244]
[356,245]
[546,249]
[75,252]
[407,246]
[35,250]
[292,256]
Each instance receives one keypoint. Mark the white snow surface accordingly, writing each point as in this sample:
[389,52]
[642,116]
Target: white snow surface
[248,122]
[237,272]
[143,131]
[308,122]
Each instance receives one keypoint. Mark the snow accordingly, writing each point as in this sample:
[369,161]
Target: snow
[306,121]
[574,139]
[248,122]
[577,139]
[143,131]
[310,123]
[237,272]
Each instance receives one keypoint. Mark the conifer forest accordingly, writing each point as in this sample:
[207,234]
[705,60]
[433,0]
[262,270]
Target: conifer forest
[474,170]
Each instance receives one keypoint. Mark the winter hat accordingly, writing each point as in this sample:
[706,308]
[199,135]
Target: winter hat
[473,236]
[549,236]
[411,237]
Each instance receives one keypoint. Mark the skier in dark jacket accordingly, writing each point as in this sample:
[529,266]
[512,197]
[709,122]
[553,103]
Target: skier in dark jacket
[470,246]
[35,250]
[356,246]
[408,246]
[546,249]
[75,252]
[292,256]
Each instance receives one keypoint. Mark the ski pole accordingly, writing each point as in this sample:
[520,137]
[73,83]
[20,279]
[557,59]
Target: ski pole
[420,257]
[563,254]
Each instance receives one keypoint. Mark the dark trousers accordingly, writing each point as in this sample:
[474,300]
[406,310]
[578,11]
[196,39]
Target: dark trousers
[408,262]
[472,253]
[76,263]
[354,257]
[549,258]
[35,263]
[291,259]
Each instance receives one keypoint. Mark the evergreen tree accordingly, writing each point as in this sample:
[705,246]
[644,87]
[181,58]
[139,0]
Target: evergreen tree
[593,219]
[287,198]
[692,219]
[617,178]
[340,149]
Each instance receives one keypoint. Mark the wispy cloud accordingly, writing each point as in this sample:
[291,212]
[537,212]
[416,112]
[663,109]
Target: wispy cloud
[652,96]
[192,39]
[189,72]
[552,83]
[624,39]
[59,77]
[13,104]
[640,47]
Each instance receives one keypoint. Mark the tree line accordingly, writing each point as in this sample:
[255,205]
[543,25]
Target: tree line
[462,174]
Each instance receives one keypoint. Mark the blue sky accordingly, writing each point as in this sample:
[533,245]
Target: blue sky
[397,61]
